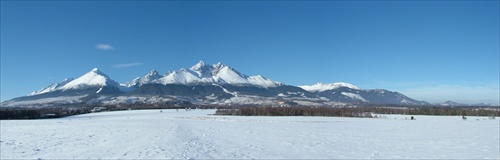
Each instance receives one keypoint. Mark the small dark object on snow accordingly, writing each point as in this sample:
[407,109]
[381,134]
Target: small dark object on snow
[412,118]
[464,118]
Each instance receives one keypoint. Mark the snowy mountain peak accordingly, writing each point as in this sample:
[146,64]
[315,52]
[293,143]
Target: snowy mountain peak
[320,87]
[154,72]
[218,65]
[198,66]
[94,78]
[96,70]
[139,81]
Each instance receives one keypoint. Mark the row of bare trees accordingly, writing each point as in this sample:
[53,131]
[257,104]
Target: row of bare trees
[38,113]
[450,111]
[356,111]
[294,111]
[63,110]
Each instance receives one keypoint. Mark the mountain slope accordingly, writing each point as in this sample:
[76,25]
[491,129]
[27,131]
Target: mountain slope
[375,96]
[52,87]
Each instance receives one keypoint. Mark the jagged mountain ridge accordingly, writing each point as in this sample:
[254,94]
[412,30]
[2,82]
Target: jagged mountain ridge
[204,74]
[320,87]
[139,81]
[203,84]
[52,87]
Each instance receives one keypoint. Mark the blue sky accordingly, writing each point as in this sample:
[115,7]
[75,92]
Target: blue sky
[432,51]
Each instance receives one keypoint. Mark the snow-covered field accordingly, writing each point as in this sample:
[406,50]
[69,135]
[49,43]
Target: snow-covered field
[151,134]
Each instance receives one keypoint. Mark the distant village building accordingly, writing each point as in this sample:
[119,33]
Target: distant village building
[286,103]
[281,103]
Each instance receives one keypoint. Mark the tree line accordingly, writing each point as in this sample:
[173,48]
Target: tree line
[448,111]
[63,110]
[356,111]
[294,111]
[40,113]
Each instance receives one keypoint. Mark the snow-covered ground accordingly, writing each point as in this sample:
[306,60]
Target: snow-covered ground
[151,134]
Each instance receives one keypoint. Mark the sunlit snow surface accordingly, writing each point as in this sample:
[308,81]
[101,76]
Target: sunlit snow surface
[320,87]
[151,134]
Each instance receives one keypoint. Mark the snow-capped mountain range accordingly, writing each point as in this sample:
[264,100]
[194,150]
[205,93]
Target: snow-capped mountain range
[199,74]
[219,73]
[320,87]
[201,84]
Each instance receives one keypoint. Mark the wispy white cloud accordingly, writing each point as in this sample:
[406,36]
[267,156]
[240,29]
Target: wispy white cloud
[105,47]
[127,65]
